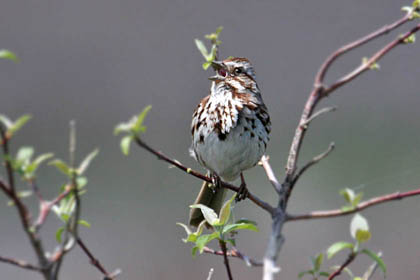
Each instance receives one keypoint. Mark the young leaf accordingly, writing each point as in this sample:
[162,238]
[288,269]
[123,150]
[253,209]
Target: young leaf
[203,240]
[194,251]
[24,155]
[357,199]
[202,48]
[84,223]
[359,228]
[6,54]
[58,234]
[187,229]
[138,125]
[232,227]
[375,258]
[208,213]
[318,261]
[337,247]
[62,166]
[225,211]
[348,194]
[303,273]
[85,163]
[33,166]
[324,274]
[18,124]
[125,144]
[6,121]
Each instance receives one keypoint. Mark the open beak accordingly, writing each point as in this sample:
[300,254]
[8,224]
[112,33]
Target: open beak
[219,67]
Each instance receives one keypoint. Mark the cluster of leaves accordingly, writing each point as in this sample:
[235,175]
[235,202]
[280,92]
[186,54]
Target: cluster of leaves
[132,129]
[26,166]
[359,229]
[353,199]
[413,10]
[211,55]
[222,226]
[65,209]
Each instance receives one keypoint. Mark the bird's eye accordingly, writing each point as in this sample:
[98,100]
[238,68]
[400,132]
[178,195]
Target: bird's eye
[237,71]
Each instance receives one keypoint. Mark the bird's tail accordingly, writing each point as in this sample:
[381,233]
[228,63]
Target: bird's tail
[209,196]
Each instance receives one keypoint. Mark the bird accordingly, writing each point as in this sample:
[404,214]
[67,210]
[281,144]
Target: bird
[230,130]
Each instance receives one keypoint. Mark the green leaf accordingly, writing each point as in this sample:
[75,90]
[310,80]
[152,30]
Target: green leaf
[138,125]
[375,258]
[202,48]
[241,221]
[206,65]
[58,234]
[194,251]
[232,227]
[337,247]
[6,121]
[324,274]
[62,166]
[303,273]
[359,228]
[33,166]
[187,229]
[86,162]
[125,127]
[416,4]
[224,214]
[357,199]
[348,194]
[411,39]
[84,223]
[81,182]
[125,144]
[318,261]
[208,213]
[21,194]
[231,241]
[6,54]
[18,124]
[24,155]
[203,240]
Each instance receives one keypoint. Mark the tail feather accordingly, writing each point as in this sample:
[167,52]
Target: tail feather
[210,197]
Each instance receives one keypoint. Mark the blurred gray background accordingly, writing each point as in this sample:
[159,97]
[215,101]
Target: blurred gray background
[100,62]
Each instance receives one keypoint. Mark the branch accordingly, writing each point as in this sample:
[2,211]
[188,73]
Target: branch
[94,261]
[316,115]
[312,162]
[20,263]
[270,174]
[358,208]
[225,258]
[236,254]
[319,92]
[264,205]
[348,261]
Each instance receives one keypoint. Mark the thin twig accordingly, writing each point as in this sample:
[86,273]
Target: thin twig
[312,162]
[270,174]
[264,205]
[316,115]
[20,263]
[225,258]
[348,261]
[94,261]
[210,274]
[236,254]
[361,206]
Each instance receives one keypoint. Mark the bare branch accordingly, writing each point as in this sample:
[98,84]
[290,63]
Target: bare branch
[316,115]
[358,208]
[94,261]
[264,205]
[313,161]
[348,261]
[236,254]
[20,263]
[222,245]
[270,174]
[319,92]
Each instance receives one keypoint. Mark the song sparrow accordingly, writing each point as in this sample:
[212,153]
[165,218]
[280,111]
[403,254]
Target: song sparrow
[229,129]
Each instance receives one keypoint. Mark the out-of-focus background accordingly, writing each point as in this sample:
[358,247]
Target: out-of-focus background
[100,62]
